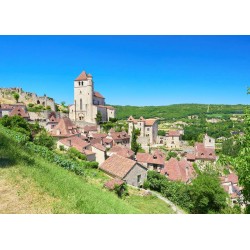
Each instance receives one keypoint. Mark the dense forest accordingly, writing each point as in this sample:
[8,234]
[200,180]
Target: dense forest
[177,111]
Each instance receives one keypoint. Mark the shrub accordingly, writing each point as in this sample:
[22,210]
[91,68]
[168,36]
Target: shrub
[61,148]
[44,139]
[75,154]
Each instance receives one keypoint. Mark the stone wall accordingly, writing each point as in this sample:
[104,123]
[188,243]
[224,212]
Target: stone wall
[27,97]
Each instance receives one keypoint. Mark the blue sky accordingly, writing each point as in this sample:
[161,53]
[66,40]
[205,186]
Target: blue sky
[131,70]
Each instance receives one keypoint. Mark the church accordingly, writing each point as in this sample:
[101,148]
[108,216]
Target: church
[87,102]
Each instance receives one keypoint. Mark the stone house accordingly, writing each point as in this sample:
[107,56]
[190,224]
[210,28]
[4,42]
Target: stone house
[80,145]
[173,139]
[155,161]
[230,184]
[147,127]
[100,152]
[209,142]
[125,169]
[20,110]
[51,123]
[119,138]
[14,109]
[88,102]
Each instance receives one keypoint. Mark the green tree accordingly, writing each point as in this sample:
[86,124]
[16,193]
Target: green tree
[75,154]
[44,139]
[98,117]
[135,146]
[242,162]
[161,132]
[171,154]
[231,147]
[16,96]
[207,195]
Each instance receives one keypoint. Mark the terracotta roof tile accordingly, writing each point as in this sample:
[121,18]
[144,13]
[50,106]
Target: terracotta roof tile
[66,128]
[111,184]
[173,133]
[178,170]
[125,152]
[156,158]
[204,153]
[88,128]
[82,77]
[20,111]
[75,142]
[99,146]
[117,166]
[97,94]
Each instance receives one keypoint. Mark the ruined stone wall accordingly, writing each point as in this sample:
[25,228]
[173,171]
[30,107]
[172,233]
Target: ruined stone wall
[27,97]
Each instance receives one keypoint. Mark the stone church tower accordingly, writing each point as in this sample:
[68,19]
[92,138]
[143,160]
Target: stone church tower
[88,102]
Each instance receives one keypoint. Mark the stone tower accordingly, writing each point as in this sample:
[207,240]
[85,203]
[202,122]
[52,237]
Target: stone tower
[83,97]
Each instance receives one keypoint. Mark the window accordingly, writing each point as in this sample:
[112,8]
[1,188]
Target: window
[209,140]
[148,129]
[79,83]
[81,104]
[138,178]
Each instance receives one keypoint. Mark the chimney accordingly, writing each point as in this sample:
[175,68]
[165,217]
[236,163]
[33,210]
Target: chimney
[69,143]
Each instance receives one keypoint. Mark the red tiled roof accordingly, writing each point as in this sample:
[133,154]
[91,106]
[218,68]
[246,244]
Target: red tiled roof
[150,122]
[173,133]
[99,135]
[99,146]
[94,141]
[117,166]
[190,157]
[156,158]
[17,110]
[107,140]
[65,127]
[117,136]
[88,128]
[75,142]
[97,94]
[204,153]
[125,152]
[111,184]
[233,178]
[82,77]
[178,170]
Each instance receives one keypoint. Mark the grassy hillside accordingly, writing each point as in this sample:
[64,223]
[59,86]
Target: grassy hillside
[176,111]
[30,184]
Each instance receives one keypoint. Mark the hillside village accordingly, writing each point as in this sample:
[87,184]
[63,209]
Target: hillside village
[126,150]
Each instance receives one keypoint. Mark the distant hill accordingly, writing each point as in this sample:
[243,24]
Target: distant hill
[177,111]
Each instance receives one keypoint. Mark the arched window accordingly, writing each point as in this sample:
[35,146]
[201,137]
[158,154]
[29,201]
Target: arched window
[81,104]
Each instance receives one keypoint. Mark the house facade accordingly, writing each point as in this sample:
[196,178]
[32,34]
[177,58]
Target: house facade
[125,169]
[148,129]
[87,101]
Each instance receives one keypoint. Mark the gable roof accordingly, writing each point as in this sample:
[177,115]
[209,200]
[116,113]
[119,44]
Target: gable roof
[66,128]
[201,152]
[97,94]
[75,142]
[125,152]
[20,111]
[117,166]
[118,136]
[82,76]
[89,128]
[148,122]
[99,147]
[178,170]
[156,158]
[173,133]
